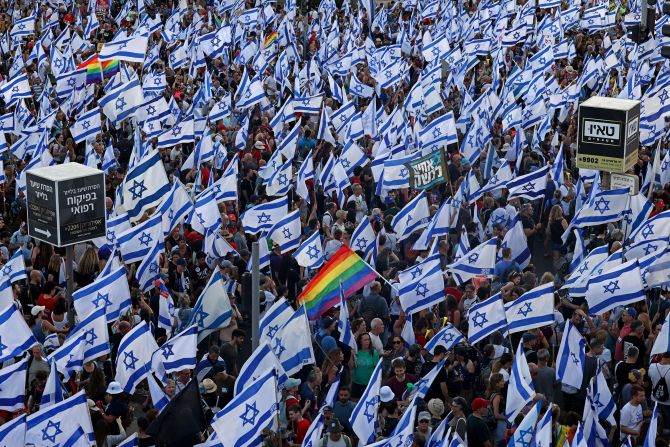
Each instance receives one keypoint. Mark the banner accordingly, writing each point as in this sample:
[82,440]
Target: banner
[428,171]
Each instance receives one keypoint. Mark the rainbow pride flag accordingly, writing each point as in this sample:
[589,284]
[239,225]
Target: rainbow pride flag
[270,39]
[96,70]
[323,291]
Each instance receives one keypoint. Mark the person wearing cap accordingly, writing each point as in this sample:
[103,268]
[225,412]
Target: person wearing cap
[210,398]
[335,437]
[627,317]
[291,398]
[438,389]
[116,407]
[424,428]
[178,277]
[477,431]
[324,340]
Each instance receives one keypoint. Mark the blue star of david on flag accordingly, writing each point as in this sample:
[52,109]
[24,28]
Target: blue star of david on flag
[120,103]
[104,298]
[167,351]
[250,414]
[525,310]
[145,239]
[263,218]
[129,360]
[90,337]
[50,435]
[312,252]
[611,287]
[479,319]
[421,289]
[137,189]
[602,205]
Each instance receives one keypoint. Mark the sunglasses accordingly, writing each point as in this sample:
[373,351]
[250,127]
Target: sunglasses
[424,422]
[397,342]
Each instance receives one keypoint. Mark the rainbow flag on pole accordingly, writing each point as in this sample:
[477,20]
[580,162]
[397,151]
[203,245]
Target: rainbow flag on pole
[323,291]
[270,39]
[96,70]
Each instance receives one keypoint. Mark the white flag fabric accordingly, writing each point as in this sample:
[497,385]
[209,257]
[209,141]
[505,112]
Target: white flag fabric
[261,360]
[571,357]
[145,185]
[57,423]
[14,432]
[481,260]
[274,319]
[110,291]
[530,186]
[310,252]
[524,432]
[122,102]
[212,311]
[615,287]
[136,242]
[520,390]
[485,318]
[531,310]
[363,419]
[448,337]
[16,336]
[264,216]
[286,232]
[414,216]
[662,342]
[293,344]
[130,50]
[177,353]
[544,432]
[13,385]
[134,357]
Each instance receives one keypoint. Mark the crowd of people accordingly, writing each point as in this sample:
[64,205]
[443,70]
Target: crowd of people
[293,50]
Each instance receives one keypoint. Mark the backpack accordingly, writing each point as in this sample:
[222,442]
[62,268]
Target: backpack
[660,391]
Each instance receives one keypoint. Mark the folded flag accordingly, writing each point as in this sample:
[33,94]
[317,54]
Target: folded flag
[322,292]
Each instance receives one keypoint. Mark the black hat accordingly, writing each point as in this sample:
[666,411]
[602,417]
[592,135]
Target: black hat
[334,426]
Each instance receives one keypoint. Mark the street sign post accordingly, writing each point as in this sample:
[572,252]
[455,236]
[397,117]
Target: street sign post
[609,134]
[66,203]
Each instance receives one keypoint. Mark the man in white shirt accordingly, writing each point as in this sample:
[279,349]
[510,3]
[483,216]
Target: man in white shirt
[631,414]
[376,328]
[361,205]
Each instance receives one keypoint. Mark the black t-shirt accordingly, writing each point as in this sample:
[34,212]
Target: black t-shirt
[636,341]
[435,391]
[477,431]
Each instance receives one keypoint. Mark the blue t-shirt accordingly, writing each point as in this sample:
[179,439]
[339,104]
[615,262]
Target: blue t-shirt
[504,268]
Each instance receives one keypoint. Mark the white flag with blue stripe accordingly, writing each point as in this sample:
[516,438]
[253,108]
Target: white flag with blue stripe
[652,431]
[136,243]
[133,49]
[524,432]
[363,239]
[531,310]
[54,425]
[293,345]
[314,433]
[602,396]
[87,126]
[145,185]
[14,432]
[520,390]
[13,385]
[414,216]
[15,269]
[618,286]
[344,324]
[310,252]
[486,317]
[448,337]
[287,232]
[205,216]
[261,360]
[607,206]
[363,419]
[481,260]
[242,421]
[544,432]
[158,396]
[16,336]
[264,216]
[175,207]
[110,291]
[662,342]
[307,105]
[177,353]
[212,311]
[424,291]
[530,186]
[654,227]
[122,101]
[88,341]
[274,319]
[134,357]
[571,357]
[515,239]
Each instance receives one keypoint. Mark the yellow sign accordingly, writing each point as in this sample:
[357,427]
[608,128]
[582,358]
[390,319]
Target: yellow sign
[608,164]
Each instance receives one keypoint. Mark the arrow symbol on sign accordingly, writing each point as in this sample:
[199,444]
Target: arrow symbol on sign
[47,233]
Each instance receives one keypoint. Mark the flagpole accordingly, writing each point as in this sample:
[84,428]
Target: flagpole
[255,294]
[69,255]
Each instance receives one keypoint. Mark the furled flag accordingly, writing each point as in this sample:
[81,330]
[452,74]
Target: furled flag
[145,185]
[212,311]
[134,357]
[530,186]
[110,291]
[274,319]
[16,336]
[531,310]
[344,267]
[261,360]
[58,422]
[571,357]
[13,385]
[618,286]
[448,337]
[286,232]
[515,239]
[177,353]
[544,432]
[662,342]
[607,206]
[414,216]
[136,242]
[602,396]
[521,390]
[524,432]
[53,390]
[264,216]
[87,126]
[122,101]
[310,252]
[652,430]
[241,422]
[132,49]
[481,260]
[293,345]
[363,418]
[344,324]
[485,318]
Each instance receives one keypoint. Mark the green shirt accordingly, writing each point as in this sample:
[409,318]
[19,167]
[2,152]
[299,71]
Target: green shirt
[365,366]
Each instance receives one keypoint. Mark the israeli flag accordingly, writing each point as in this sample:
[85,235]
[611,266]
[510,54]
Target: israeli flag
[260,361]
[618,286]
[655,227]
[520,390]
[480,260]
[530,186]
[58,423]
[544,432]
[607,206]
[134,357]
[498,181]
[364,238]
[136,243]
[594,433]
[23,27]
[293,344]
[205,216]
[87,126]
[145,186]
[158,396]
[363,419]
[652,431]
[165,308]
[14,431]
[242,421]
[485,318]
[16,336]
[149,269]
[212,311]
[424,291]
[531,310]
[602,396]
[422,386]
[662,342]
[448,337]
[122,101]
[133,49]
[175,207]
[310,252]
[315,432]
[571,357]
[110,292]
[177,353]
[16,89]
[590,262]
[53,390]
[13,389]
[524,432]
[182,132]
[264,216]
[414,216]
[274,319]
[516,240]
[344,324]
[287,232]
[637,213]
[131,441]
[279,183]
[69,358]
[14,270]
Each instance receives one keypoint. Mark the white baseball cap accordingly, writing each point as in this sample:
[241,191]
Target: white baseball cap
[114,388]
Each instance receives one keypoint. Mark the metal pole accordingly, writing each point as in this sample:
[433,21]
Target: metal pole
[255,295]
[69,261]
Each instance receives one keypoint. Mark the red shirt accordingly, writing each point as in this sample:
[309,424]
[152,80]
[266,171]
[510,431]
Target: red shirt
[398,387]
[300,429]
